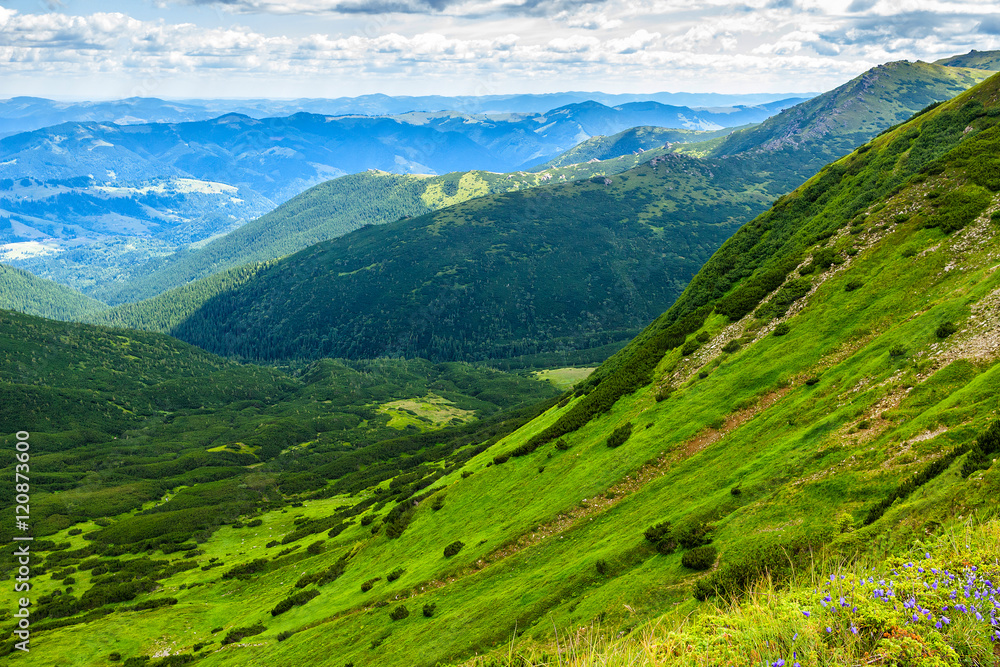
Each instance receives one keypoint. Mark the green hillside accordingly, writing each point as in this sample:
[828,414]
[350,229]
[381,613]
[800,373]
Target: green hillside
[561,268]
[336,207]
[688,190]
[834,123]
[987,60]
[26,293]
[824,388]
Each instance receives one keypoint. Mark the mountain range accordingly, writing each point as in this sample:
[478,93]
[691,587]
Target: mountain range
[569,268]
[795,461]
[24,114]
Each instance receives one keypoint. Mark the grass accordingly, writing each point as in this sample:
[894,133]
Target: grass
[929,606]
[564,378]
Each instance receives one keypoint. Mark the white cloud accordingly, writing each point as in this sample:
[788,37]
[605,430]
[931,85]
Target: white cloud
[720,45]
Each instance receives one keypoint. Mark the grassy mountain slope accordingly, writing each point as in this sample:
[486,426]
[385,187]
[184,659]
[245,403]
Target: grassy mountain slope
[566,267]
[835,122]
[24,292]
[825,386]
[987,60]
[332,209]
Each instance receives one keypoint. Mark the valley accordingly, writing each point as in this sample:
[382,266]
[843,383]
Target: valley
[656,401]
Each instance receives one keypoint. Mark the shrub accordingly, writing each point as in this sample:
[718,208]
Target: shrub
[453,548]
[295,600]
[703,337]
[501,459]
[897,351]
[853,285]
[367,519]
[656,533]
[699,558]
[811,381]
[438,503]
[735,491]
[702,375]
[429,609]
[285,634]
[731,346]
[466,474]
[602,567]
[399,613]
[691,534]
[620,435]
[663,393]
[781,329]
[395,574]
[236,634]
[367,586]
[946,329]
[74,531]
[115,657]
[561,445]
[272,543]
[255,523]
[690,347]
[316,547]
[957,208]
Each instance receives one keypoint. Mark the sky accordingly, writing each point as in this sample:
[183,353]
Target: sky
[109,49]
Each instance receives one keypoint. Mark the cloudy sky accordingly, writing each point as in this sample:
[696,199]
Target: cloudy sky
[99,49]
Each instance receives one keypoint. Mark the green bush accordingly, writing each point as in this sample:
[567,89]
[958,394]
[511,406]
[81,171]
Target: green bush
[897,351]
[620,435]
[453,548]
[500,459]
[957,208]
[429,609]
[663,393]
[853,285]
[946,329]
[703,337]
[561,445]
[285,634]
[316,548]
[399,613]
[115,656]
[731,346]
[657,532]
[255,523]
[367,586]
[782,329]
[395,574]
[236,634]
[690,347]
[699,558]
[295,600]
[602,567]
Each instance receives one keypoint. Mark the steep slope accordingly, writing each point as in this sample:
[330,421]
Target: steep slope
[23,292]
[835,122]
[560,268]
[825,386]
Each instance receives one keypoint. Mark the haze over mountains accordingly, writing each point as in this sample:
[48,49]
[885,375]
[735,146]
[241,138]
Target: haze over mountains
[816,413]
[24,114]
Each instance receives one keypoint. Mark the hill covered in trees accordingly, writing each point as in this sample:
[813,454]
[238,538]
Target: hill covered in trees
[821,394]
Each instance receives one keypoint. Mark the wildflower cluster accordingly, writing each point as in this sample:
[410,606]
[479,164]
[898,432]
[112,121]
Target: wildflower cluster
[910,607]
